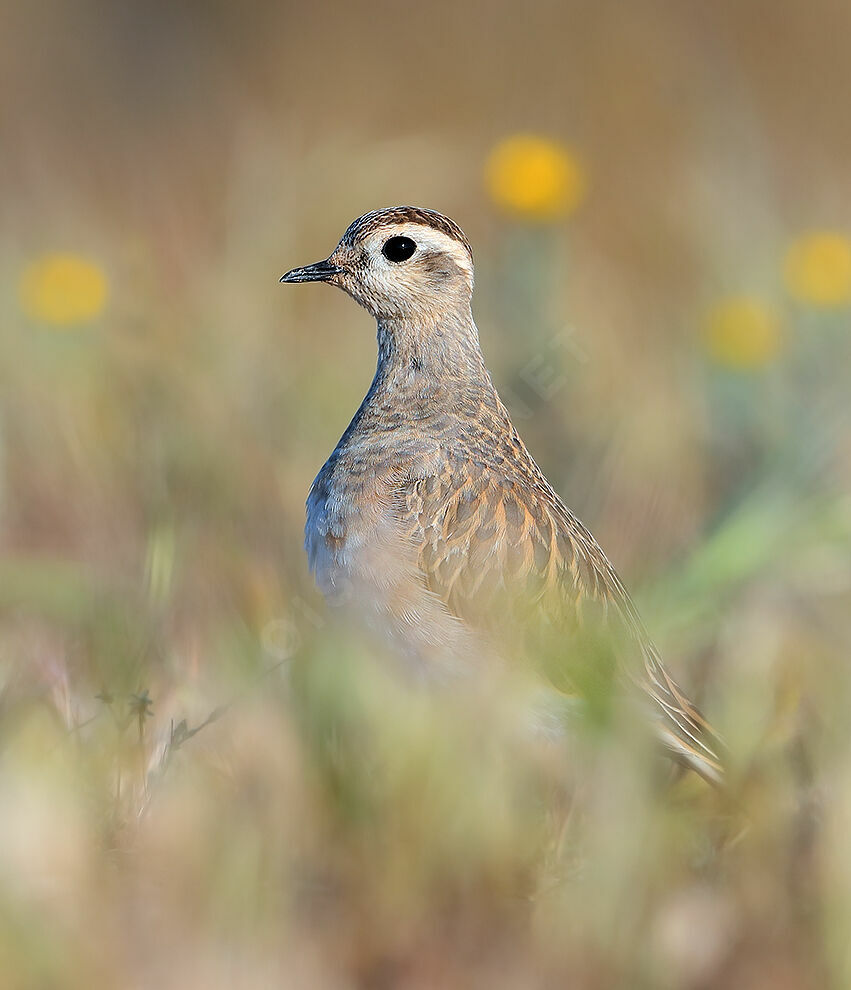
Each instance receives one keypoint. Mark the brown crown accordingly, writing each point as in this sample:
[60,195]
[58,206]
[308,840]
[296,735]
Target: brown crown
[405,214]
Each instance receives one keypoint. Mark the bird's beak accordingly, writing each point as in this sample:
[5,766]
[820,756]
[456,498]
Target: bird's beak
[322,271]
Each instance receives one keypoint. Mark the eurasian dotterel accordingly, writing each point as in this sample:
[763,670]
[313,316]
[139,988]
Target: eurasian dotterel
[431,515]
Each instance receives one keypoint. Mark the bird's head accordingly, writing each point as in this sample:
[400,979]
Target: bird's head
[400,263]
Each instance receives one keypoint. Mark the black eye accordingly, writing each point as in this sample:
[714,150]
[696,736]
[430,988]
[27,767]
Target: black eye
[398,248]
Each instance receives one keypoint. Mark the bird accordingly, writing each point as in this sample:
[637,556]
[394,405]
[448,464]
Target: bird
[432,520]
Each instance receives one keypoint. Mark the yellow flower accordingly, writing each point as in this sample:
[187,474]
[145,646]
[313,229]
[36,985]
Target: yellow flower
[62,289]
[743,333]
[818,268]
[534,177]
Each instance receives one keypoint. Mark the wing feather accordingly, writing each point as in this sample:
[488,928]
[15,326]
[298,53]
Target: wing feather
[489,538]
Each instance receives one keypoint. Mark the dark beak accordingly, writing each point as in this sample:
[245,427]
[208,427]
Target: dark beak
[322,271]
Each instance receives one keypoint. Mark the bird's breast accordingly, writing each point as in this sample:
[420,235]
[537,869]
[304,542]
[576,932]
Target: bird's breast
[354,538]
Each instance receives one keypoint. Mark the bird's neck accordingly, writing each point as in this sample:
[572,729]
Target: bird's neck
[425,371]
[440,350]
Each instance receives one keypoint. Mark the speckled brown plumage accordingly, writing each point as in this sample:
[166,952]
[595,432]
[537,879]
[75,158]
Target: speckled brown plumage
[432,518]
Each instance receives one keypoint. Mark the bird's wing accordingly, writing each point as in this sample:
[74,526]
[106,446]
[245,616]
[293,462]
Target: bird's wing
[492,543]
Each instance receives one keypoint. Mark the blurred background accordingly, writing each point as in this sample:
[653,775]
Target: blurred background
[204,782]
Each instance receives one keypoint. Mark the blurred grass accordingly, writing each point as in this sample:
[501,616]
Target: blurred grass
[203,781]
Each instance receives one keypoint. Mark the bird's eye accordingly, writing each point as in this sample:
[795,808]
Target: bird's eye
[398,248]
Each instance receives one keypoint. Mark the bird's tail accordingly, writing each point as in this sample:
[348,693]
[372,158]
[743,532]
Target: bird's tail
[683,730]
